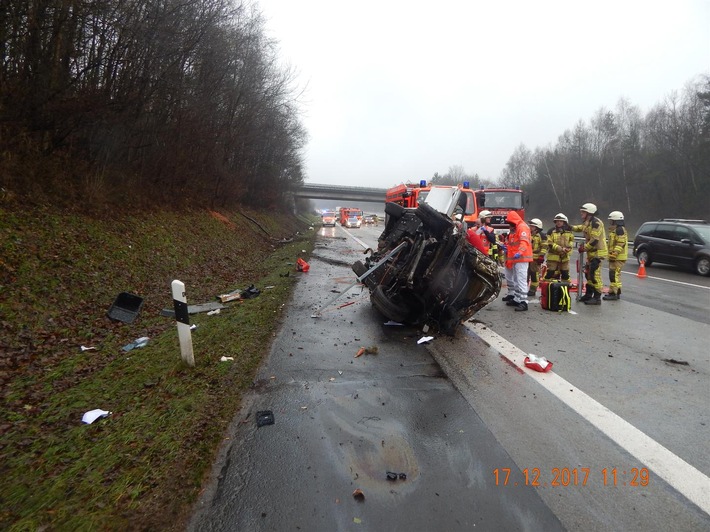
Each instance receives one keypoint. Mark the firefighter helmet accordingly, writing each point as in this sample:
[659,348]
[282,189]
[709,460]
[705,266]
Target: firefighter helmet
[589,208]
[560,216]
[536,222]
[485,214]
[616,216]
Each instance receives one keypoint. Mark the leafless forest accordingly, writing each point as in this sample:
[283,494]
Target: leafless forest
[648,166]
[147,99]
[187,101]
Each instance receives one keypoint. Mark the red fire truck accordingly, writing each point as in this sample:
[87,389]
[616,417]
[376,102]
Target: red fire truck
[497,200]
[347,212]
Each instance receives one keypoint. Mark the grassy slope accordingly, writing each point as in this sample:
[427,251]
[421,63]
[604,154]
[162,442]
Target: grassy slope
[142,467]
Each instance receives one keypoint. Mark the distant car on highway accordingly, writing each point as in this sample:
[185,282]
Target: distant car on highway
[352,221]
[369,219]
[675,241]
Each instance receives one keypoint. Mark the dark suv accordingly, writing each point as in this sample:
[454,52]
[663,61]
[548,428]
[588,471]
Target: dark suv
[675,241]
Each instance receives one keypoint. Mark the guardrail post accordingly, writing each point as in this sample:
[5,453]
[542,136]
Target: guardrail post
[182,318]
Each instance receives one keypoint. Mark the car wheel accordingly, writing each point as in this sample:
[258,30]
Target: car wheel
[432,218]
[644,256]
[702,266]
[387,307]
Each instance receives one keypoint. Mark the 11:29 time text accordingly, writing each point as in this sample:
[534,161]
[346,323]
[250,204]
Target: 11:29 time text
[565,476]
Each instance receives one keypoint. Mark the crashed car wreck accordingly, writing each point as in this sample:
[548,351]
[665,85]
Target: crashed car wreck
[425,272]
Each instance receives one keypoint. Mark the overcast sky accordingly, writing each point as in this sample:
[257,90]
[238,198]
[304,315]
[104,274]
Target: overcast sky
[397,90]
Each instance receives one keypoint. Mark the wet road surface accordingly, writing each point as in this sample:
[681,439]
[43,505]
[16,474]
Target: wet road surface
[342,423]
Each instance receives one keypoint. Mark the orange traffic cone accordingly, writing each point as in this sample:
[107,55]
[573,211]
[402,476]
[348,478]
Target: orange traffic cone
[642,270]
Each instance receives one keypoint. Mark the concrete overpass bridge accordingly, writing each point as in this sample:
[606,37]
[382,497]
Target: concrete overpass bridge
[340,193]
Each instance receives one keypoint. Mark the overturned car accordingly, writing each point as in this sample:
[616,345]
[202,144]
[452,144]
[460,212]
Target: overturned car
[425,272]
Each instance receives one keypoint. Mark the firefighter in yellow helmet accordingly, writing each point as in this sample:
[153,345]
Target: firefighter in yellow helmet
[538,239]
[560,243]
[595,247]
[618,253]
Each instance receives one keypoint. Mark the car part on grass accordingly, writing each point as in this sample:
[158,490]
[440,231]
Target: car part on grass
[433,277]
[126,307]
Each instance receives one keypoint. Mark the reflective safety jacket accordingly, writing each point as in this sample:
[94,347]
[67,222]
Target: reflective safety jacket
[487,233]
[539,245]
[594,237]
[618,242]
[518,241]
[557,240]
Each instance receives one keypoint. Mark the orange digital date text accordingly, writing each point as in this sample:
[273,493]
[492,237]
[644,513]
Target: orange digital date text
[572,476]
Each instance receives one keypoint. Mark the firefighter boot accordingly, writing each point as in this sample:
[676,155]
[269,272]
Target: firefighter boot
[596,299]
[532,291]
[611,296]
[587,293]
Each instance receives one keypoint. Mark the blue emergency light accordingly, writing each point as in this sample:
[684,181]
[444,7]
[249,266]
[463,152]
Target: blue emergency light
[466,184]
[422,182]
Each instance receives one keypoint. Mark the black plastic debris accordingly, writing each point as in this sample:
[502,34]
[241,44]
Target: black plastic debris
[250,292]
[392,476]
[126,307]
[674,361]
[264,417]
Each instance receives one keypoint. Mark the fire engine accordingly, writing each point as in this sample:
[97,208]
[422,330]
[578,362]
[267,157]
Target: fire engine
[497,200]
[347,212]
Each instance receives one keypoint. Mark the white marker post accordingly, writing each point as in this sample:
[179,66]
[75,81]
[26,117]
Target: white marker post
[182,318]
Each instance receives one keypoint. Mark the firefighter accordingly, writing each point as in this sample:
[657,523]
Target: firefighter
[518,256]
[595,246]
[560,241]
[618,253]
[538,241]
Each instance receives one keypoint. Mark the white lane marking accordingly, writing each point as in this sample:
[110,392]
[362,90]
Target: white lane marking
[356,239]
[682,476]
[671,281]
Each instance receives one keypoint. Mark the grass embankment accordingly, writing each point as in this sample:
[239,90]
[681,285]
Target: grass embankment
[142,467]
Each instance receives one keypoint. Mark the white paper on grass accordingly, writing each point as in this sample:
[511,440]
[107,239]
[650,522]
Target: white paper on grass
[92,415]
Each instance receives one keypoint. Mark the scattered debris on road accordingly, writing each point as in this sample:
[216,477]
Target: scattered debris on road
[674,361]
[538,363]
[372,350]
[264,417]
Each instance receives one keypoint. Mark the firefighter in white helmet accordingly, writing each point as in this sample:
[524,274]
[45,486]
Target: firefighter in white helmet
[560,242]
[538,240]
[595,247]
[618,253]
